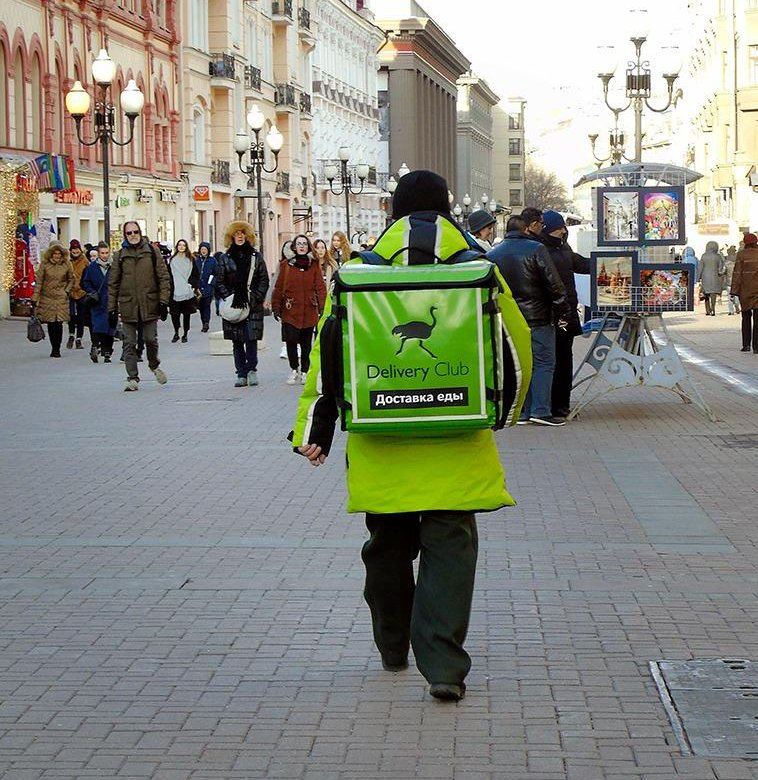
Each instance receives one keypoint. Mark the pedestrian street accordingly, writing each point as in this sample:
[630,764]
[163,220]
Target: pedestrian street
[181,595]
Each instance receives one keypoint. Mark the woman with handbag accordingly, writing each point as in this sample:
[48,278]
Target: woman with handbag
[710,273]
[298,300]
[241,285]
[185,282]
[55,280]
[95,285]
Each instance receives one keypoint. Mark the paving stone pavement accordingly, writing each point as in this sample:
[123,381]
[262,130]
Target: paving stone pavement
[180,596]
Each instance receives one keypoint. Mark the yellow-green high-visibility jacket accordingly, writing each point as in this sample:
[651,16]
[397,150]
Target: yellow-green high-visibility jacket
[392,473]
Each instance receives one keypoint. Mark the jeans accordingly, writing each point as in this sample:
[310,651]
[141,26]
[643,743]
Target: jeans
[710,303]
[104,342]
[538,399]
[298,337]
[77,317]
[749,331]
[563,375]
[205,309]
[432,613]
[245,357]
[733,303]
[181,311]
[150,334]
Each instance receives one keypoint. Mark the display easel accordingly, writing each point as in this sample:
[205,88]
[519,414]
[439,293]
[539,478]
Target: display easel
[640,352]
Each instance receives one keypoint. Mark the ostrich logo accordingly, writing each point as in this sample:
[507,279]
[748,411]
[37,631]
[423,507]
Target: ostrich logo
[416,329]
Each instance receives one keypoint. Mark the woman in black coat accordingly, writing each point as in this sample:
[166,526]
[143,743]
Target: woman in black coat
[240,263]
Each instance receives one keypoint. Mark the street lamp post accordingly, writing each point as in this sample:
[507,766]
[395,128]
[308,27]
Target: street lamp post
[638,77]
[257,149]
[346,186]
[616,145]
[77,105]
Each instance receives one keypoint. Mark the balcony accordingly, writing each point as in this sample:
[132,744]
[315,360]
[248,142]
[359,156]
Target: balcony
[222,66]
[305,103]
[303,18]
[284,95]
[304,185]
[281,10]
[283,182]
[220,172]
[252,78]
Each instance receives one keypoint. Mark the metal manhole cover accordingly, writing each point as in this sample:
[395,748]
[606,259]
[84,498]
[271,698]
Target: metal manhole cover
[712,705]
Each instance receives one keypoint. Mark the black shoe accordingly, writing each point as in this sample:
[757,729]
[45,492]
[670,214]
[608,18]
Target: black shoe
[55,353]
[447,691]
[106,359]
[395,666]
[554,421]
[561,412]
[79,344]
[175,338]
[205,329]
[184,339]
[745,349]
[70,343]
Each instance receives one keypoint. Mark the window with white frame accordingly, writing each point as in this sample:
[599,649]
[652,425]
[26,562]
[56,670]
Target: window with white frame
[198,135]
[198,21]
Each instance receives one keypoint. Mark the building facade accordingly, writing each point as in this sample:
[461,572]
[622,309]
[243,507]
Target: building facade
[419,66]
[44,49]
[475,142]
[721,95]
[509,154]
[237,54]
[346,114]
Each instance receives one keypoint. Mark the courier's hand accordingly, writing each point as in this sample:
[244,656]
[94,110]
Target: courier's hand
[313,453]
[164,312]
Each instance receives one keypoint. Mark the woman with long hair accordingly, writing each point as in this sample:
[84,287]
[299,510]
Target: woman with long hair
[341,248]
[185,281]
[326,262]
[298,300]
[241,273]
[55,280]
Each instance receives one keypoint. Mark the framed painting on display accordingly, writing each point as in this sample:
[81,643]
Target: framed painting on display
[668,287]
[618,216]
[612,278]
[662,216]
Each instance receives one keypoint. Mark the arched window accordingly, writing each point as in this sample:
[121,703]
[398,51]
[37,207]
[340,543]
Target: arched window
[59,141]
[36,104]
[157,134]
[3,97]
[198,135]
[19,104]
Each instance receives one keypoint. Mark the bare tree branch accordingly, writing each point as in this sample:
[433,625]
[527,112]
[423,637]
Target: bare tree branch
[543,190]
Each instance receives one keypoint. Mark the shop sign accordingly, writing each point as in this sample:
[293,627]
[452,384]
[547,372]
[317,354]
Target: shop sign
[201,193]
[122,201]
[145,196]
[169,196]
[713,229]
[77,197]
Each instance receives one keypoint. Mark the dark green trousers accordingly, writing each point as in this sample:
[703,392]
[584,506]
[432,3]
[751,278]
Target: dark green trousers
[433,613]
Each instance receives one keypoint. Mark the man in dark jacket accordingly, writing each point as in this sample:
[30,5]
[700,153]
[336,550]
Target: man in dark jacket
[206,268]
[539,292]
[567,263]
[139,289]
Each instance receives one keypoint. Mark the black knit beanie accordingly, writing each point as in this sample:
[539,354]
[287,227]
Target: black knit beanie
[420,191]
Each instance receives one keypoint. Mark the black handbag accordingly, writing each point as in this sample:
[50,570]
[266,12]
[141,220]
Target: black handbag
[34,330]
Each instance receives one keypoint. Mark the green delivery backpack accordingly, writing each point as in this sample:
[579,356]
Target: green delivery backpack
[421,348]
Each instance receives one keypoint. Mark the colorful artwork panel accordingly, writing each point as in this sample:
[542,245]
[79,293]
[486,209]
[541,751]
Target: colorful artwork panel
[613,275]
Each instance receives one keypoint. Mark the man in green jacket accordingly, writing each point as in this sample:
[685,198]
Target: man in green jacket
[139,289]
[419,493]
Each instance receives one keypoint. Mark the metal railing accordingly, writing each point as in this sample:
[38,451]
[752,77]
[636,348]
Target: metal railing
[252,77]
[220,173]
[281,8]
[222,65]
[283,182]
[304,185]
[304,18]
[305,103]
[284,95]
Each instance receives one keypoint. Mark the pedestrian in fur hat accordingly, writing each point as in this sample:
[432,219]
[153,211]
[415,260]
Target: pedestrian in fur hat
[55,280]
[242,274]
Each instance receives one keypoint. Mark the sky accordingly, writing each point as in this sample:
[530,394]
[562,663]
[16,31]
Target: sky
[538,49]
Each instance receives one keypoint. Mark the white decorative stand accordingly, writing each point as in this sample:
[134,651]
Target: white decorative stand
[635,355]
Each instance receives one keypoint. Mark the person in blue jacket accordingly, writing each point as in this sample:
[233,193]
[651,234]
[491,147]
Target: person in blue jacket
[94,282]
[206,265]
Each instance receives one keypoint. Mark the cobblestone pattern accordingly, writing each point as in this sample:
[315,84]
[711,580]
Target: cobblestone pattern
[180,597]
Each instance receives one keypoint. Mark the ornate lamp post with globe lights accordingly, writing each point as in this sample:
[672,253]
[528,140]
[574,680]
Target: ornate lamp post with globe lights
[346,180]
[638,79]
[257,147]
[77,105]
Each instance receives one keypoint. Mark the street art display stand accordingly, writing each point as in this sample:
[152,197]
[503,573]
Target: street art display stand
[639,353]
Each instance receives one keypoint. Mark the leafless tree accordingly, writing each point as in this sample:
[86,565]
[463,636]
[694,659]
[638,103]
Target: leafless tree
[543,190]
